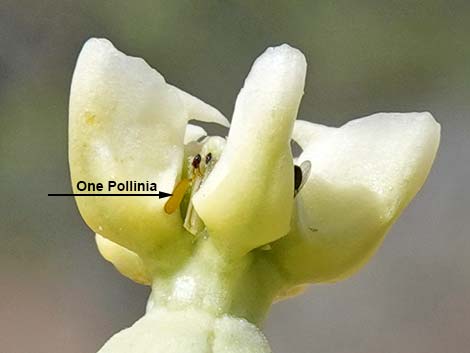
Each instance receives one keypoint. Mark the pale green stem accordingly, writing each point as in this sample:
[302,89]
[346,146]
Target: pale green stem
[210,281]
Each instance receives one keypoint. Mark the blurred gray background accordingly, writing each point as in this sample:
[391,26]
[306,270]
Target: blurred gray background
[58,295]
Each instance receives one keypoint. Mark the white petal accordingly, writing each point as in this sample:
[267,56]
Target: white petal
[305,132]
[201,111]
[125,123]
[126,262]
[363,175]
[247,200]
[193,133]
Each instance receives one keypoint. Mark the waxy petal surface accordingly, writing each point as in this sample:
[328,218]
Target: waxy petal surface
[199,110]
[247,199]
[363,175]
[128,124]
[128,263]
[193,133]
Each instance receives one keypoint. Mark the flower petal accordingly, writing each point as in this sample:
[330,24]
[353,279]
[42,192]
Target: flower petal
[363,175]
[247,199]
[128,263]
[193,133]
[125,123]
[198,110]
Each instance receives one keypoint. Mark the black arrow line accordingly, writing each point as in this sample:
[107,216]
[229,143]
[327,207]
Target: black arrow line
[160,194]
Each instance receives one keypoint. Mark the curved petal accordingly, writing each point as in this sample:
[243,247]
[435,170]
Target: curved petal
[201,111]
[363,175]
[247,199]
[305,132]
[125,124]
[193,133]
[128,263]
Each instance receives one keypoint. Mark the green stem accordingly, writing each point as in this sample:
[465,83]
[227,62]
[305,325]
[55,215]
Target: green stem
[244,287]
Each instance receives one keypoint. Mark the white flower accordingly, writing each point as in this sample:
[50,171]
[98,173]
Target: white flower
[233,237]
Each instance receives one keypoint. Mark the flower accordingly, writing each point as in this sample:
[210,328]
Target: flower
[247,223]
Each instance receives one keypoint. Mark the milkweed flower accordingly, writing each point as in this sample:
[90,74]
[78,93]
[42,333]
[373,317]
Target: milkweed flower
[247,223]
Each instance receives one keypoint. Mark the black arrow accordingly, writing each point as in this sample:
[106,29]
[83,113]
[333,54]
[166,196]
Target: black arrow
[161,194]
